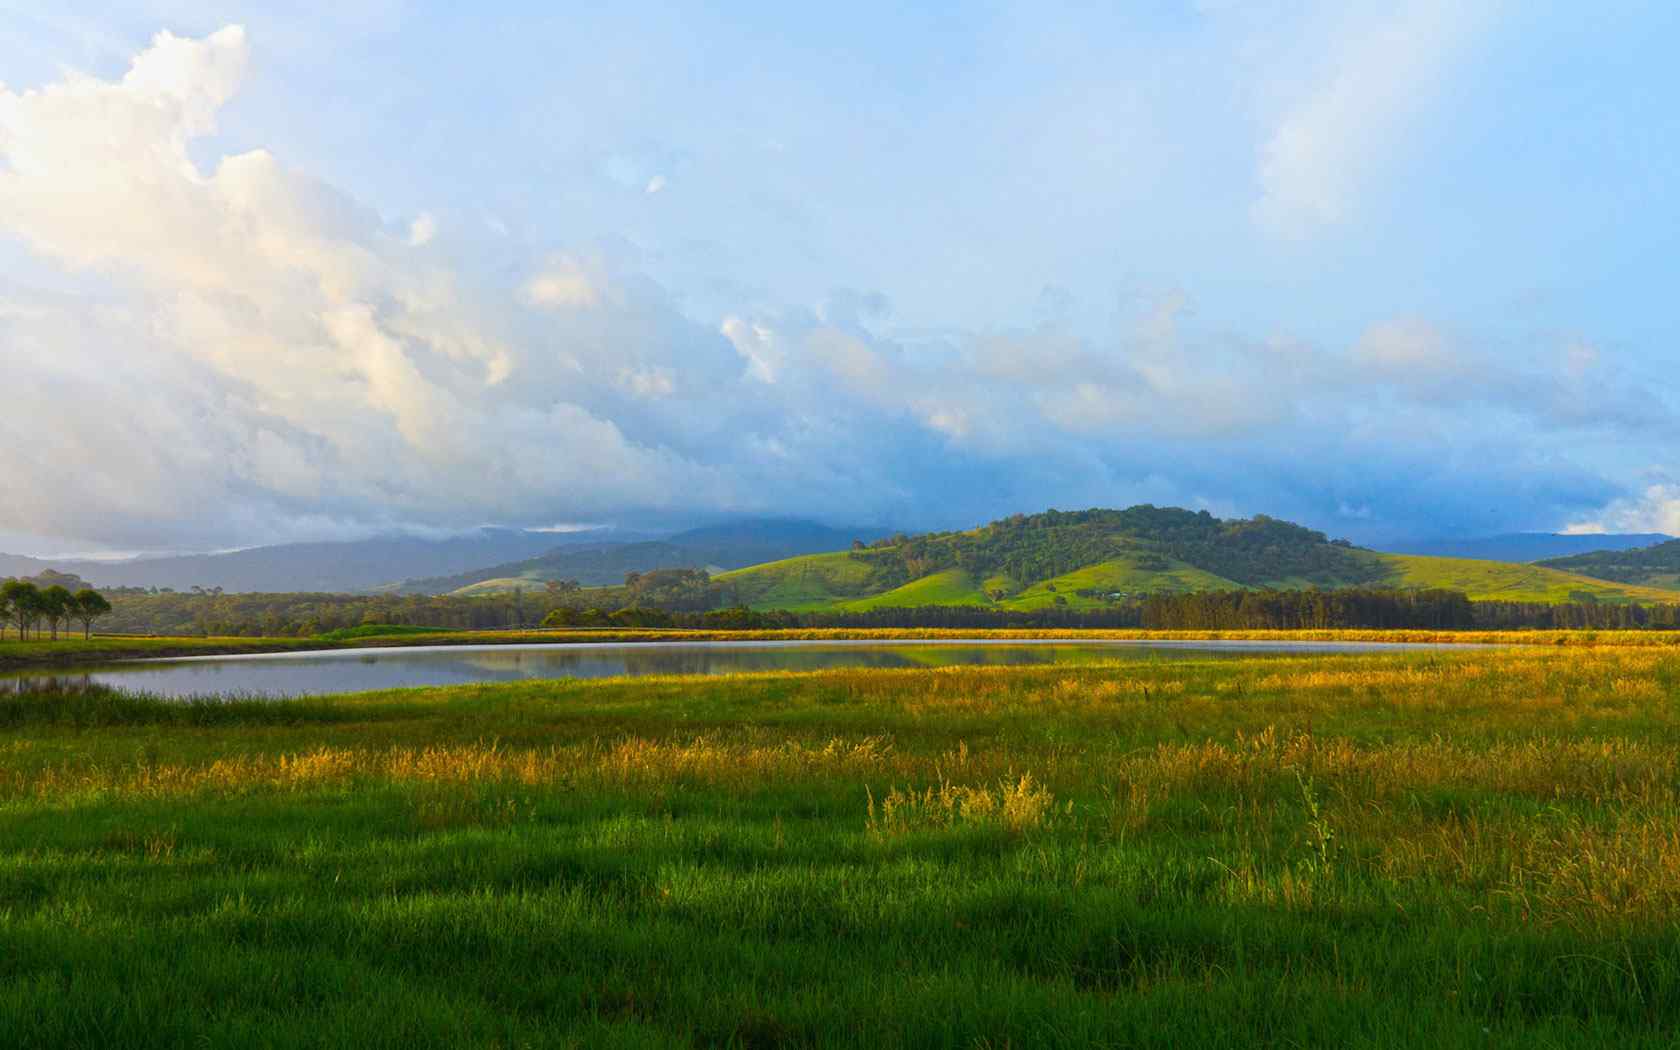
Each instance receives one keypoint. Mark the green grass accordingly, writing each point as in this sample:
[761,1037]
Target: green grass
[117,647]
[822,582]
[1119,575]
[1654,566]
[811,582]
[839,582]
[1505,581]
[1469,849]
[377,630]
[951,587]
[500,585]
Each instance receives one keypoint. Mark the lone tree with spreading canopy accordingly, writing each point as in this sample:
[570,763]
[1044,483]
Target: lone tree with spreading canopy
[55,607]
[88,605]
[23,604]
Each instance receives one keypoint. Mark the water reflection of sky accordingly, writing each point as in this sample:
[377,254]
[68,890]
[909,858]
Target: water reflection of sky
[345,671]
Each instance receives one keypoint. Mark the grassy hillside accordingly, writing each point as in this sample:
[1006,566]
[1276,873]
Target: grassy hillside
[1528,546]
[590,566]
[1504,581]
[1090,559]
[1654,566]
[503,585]
[839,581]
[951,587]
[731,546]
[815,581]
[1116,576]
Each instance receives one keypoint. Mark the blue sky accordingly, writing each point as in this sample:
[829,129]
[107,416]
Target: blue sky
[311,270]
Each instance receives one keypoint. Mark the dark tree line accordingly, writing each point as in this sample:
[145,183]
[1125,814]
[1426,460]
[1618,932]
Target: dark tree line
[686,598]
[210,612]
[1495,616]
[1639,565]
[947,616]
[1352,608]
[30,607]
[304,614]
[1294,610]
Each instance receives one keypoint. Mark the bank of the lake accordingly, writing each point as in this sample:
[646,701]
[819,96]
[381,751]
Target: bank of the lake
[326,672]
[107,648]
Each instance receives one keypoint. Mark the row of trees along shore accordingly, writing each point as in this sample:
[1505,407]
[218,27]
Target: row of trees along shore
[1208,610]
[207,613]
[27,607]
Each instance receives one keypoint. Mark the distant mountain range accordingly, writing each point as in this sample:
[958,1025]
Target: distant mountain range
[1078,559]
[411,564]
[361,565]
[1527,546]
[719,547]
[1657,566]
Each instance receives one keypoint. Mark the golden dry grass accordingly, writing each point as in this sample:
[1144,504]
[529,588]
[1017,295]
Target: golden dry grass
[1487,840]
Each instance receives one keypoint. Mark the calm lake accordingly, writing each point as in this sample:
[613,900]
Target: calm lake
[356,670]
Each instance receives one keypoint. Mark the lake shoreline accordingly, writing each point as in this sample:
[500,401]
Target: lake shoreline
[22,656]
[305,673]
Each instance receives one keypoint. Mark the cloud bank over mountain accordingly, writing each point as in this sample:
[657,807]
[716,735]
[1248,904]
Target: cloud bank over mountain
[207,345]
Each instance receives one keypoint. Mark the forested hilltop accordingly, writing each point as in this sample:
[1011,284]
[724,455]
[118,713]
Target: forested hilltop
[1654,566]
[1083,558]
[1087,559]
[1015,552]
[1092,559]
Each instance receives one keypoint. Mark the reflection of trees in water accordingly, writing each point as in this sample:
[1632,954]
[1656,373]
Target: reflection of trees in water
[393,668]
[720,661]
[49,683]
[599,663]
[701,660]
[723,661]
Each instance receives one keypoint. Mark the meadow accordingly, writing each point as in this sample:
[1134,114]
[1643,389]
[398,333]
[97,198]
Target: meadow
[1477,847]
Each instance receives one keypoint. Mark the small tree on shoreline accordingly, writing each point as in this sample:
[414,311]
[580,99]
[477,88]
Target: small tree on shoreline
[24,604]
[55,607]
[23,601]
[88,605]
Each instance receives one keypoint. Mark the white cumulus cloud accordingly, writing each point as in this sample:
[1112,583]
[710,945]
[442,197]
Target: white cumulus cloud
[232,350]
[295,353]
[1383,66]
[1655,509]
[422,230]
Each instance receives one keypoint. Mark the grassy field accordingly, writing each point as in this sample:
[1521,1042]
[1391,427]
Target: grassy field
[1472,848]
[1506,581]
[1118,575]
[951,587]
[837,581]
[817,581]
[501,585]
